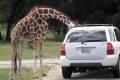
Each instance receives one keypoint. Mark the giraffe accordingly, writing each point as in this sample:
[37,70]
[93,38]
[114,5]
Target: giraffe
[33,27]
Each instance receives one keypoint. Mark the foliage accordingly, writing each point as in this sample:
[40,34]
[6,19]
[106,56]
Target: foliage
[116,20]
[2,31]
[73,8]
[5,10]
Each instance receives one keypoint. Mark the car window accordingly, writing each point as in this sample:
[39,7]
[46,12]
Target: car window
[87,36]
[117,33]
[112,36]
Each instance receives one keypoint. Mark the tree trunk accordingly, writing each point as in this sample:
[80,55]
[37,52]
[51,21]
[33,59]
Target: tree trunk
[1,36]
[8,32]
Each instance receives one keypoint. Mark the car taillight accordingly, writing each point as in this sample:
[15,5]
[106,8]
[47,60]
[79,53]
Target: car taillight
[110,50]
[63,53]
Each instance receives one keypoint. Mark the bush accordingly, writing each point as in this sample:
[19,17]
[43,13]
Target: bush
[54,36]
[116,20]
[59,37]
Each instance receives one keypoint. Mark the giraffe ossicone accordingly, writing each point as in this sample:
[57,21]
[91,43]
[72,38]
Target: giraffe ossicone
[33,27]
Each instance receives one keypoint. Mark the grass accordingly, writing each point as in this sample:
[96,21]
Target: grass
[27,73]
[4,74]
[50,50]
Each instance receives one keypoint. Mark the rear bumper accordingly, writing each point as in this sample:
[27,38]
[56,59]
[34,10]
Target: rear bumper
[85,64]
[89,66]
[110,60]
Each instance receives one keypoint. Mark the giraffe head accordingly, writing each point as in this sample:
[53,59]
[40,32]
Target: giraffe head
[72,24]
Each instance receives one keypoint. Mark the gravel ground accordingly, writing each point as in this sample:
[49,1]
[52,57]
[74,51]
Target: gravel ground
[54,73]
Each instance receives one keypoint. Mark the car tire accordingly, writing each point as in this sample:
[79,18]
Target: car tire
[116,70]
[66,72]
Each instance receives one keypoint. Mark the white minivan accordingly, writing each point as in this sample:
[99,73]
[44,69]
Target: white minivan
[91,47]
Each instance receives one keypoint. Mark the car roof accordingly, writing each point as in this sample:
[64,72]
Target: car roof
[94,27]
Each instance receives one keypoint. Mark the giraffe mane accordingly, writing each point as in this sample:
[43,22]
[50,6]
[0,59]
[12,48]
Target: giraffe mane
[45,6]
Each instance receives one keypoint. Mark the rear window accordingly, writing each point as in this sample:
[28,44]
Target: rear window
[87,36]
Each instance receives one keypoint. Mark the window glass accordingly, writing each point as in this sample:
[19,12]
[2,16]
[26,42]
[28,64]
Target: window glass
[112,36]
[87,36]
[117,33]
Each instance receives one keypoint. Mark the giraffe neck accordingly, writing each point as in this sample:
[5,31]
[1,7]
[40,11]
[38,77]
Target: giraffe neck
[46,13]
[62,18]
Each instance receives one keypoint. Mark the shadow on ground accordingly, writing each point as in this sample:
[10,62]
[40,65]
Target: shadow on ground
[102,75]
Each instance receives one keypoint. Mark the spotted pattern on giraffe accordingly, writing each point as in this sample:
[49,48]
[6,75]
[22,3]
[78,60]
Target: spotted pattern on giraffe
[33,27]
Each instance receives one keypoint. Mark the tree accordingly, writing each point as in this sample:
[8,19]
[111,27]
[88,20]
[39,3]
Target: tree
[97,17]
[116,20]
[86,11]
[5,12]
[0,34]
[19,8]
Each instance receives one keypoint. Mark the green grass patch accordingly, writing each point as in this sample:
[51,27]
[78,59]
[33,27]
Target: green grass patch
[4,74]
[50,50]
[27,73]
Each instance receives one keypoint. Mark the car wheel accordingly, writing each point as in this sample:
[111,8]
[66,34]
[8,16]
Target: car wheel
[66,72]
[116,70]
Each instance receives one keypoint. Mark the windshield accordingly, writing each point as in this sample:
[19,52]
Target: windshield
[87,36]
